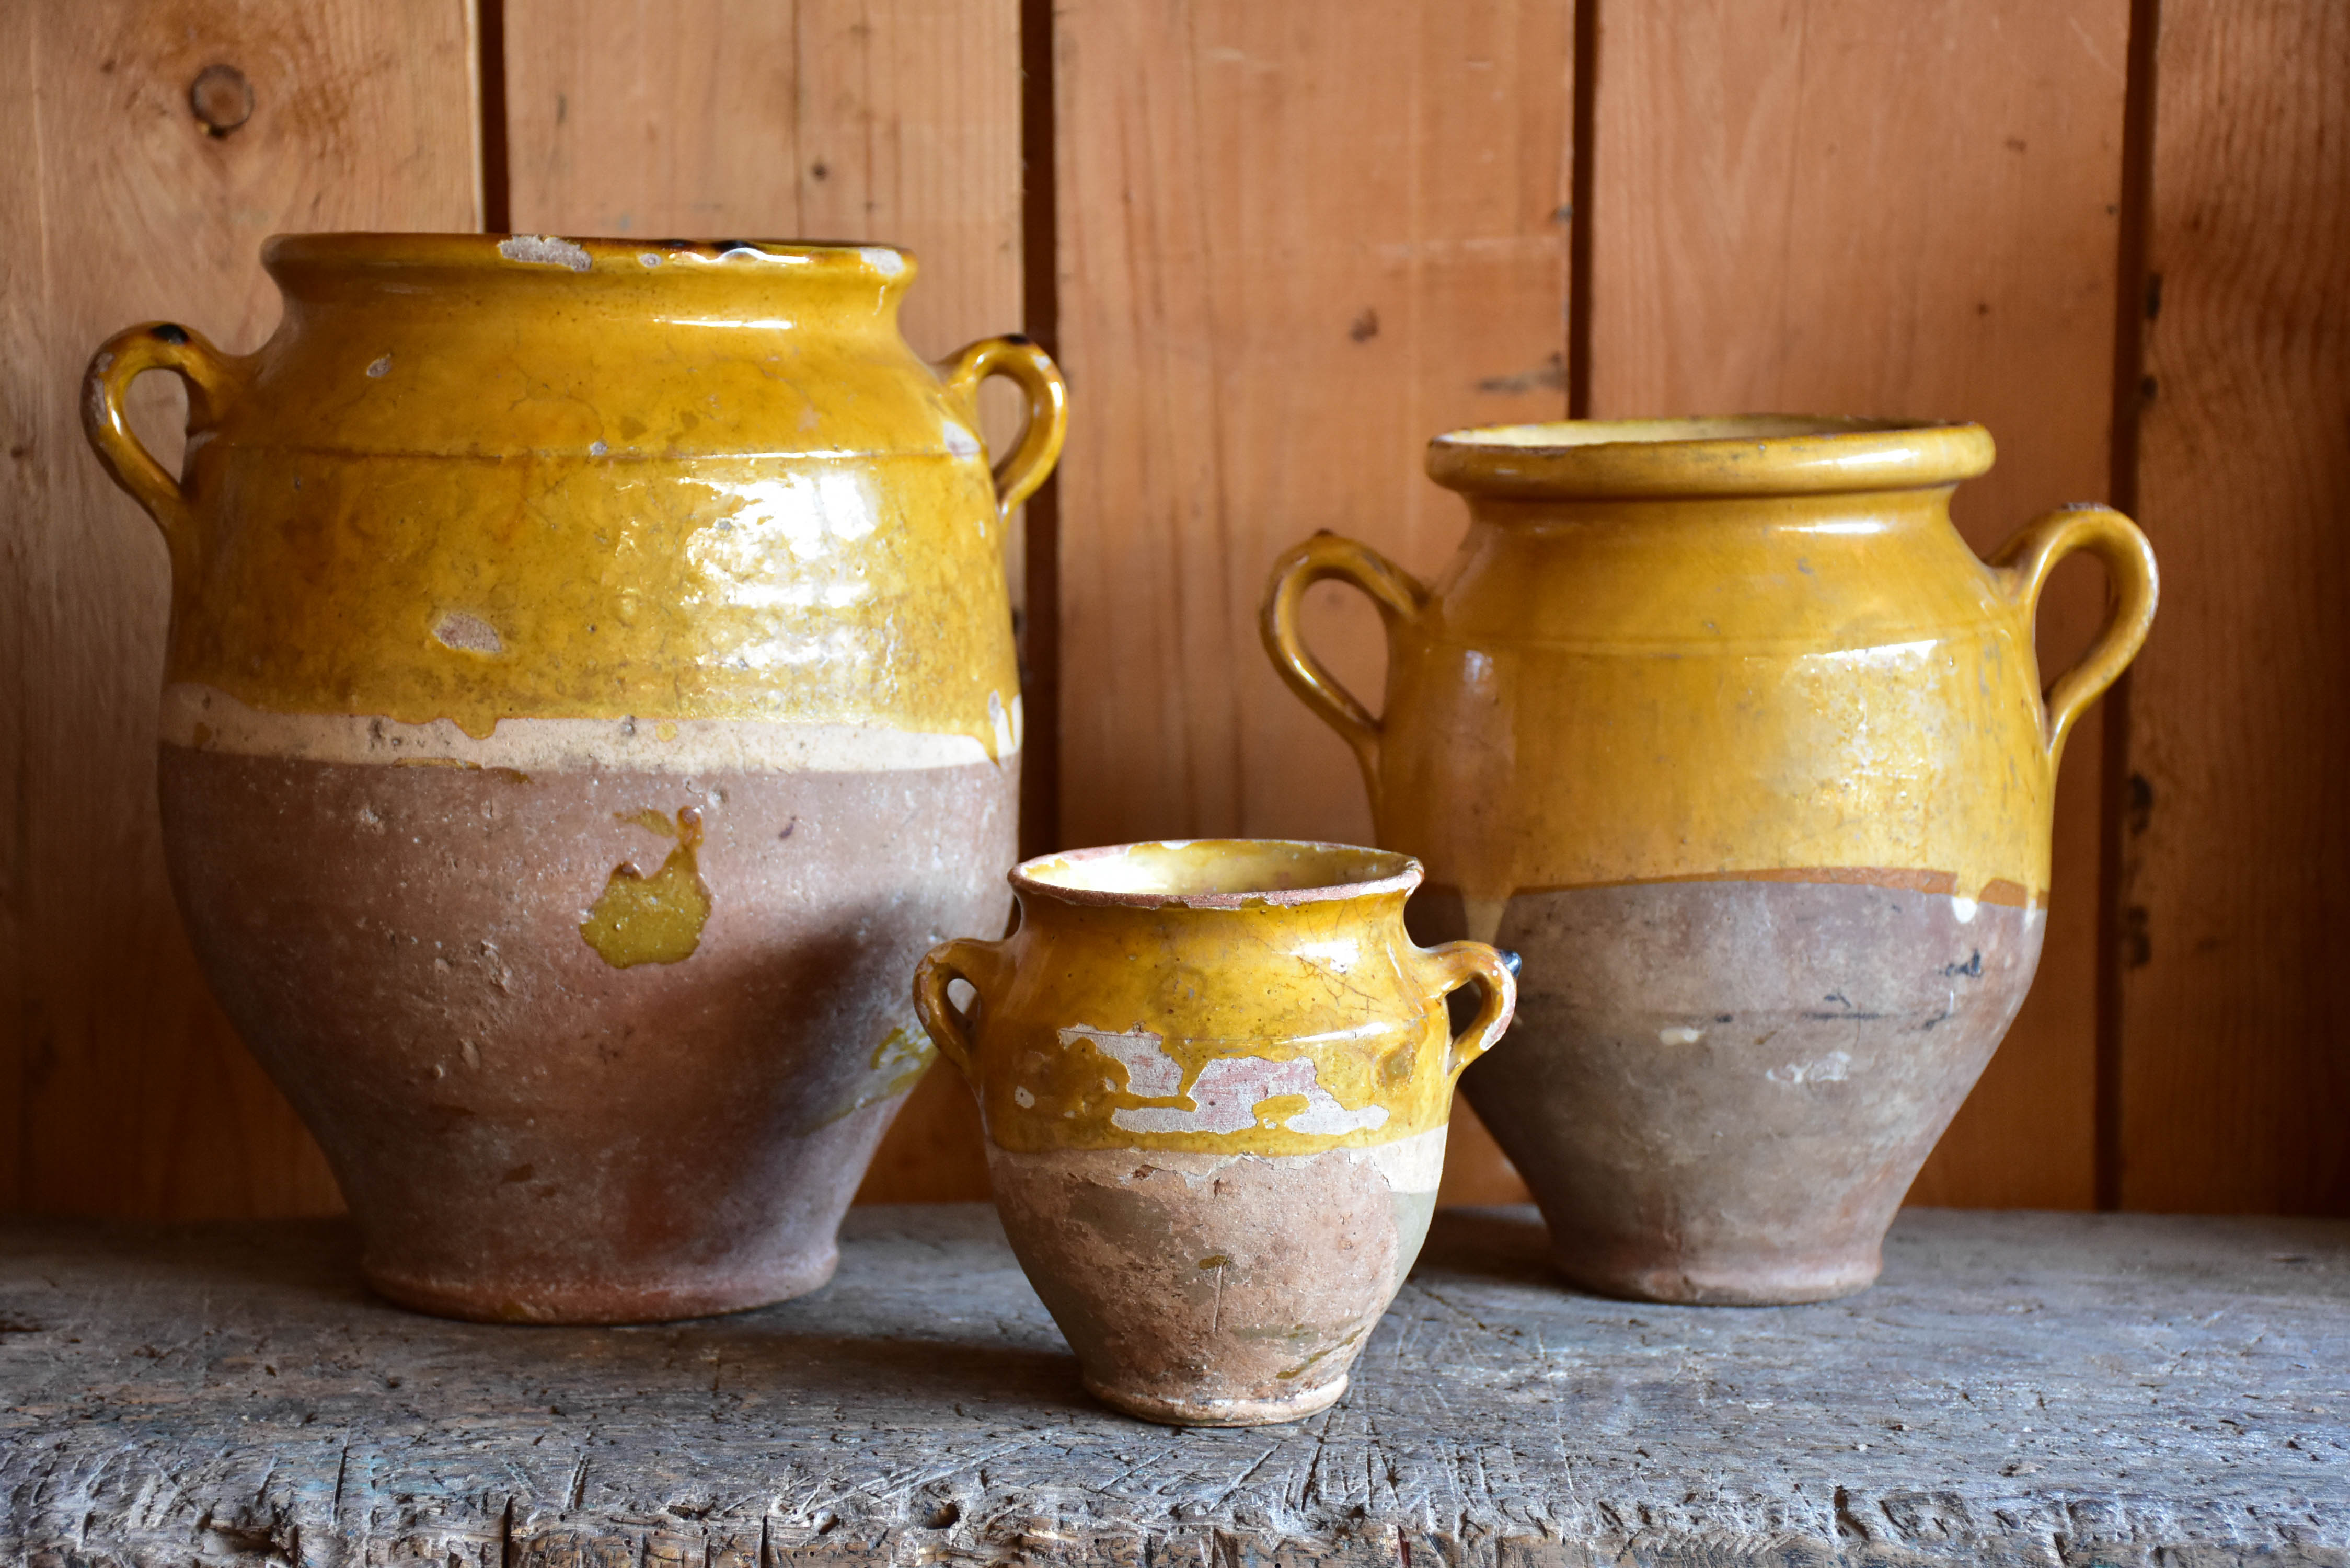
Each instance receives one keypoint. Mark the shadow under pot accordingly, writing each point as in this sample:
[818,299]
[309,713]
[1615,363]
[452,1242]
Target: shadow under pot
[590,691]
[1215,1077]
[1720,724]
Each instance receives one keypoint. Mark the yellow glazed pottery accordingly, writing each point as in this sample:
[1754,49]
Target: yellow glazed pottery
[1215,1077]
[591,689]
[1723,727]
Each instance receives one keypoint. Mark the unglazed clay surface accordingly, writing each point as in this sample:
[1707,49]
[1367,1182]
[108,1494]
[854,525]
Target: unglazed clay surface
[525,1129]
[1720,1091]
[1717,722]
[590,690]
[1215,1077]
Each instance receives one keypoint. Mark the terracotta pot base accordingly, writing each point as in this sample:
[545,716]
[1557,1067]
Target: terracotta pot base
[1218,1290]
[1720,1092]
[672,1296]
[1180,1412]
[523,1127]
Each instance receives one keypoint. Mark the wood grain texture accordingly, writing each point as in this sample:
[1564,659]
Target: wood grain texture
[1843,206]
[1294,242]
[895,120]
[2235,1061]
[124,1090]
[2022,1391]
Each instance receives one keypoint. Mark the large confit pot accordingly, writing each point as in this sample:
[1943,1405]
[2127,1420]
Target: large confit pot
[1215,1076]
[1722,726]
[590,691]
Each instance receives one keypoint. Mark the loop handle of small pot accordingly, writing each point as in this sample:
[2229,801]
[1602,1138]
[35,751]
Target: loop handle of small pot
[1018,359]
[1397,594]
[212,378]
[1495,974]
[970,962]
[2024,563]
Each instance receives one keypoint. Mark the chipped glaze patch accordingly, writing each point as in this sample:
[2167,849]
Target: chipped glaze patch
[1227,1094]
[202,719]
[1834,1067]
[543,250]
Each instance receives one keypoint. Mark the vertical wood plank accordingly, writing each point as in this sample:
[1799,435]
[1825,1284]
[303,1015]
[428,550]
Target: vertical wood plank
[1847,207]
[2235,1078]
[1295,241]
[124,1090]
[896,120]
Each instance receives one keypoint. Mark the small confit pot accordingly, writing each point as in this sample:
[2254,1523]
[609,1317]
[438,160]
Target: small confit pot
[1215,1077]
[590,690]
[1721,725]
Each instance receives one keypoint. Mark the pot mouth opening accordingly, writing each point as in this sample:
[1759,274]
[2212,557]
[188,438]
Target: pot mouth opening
[558,257]
[1703,455]
[1217,874]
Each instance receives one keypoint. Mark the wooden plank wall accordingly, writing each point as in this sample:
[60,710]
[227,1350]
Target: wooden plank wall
[2233,1078]
[124,1089]
[1276,247]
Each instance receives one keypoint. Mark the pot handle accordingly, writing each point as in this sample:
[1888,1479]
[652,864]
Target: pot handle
[211,379]
[1398,596]
[1018,358]
[963,960]
[2024,563]
[1495,973]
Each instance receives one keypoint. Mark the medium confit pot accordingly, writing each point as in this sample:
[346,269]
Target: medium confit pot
[1723,727]
[590,690]
[1215,1077]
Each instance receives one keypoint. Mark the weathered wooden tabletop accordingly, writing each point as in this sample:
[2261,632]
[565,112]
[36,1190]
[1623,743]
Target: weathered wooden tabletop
[2020,1388]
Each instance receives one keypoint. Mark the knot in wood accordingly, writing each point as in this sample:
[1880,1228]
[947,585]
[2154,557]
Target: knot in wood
[222,99]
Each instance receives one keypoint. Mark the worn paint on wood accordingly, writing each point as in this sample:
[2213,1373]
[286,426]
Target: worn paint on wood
[125,1090]
[2234,1082]
[2020,1390]
[819,119]
[1839,206]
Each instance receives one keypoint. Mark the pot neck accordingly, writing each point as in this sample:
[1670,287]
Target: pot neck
[728,282]
[1858,514]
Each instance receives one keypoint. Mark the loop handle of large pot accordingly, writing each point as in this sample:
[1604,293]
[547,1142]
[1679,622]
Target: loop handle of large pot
[1495,974]
[1018,359]
[2024,563]
[1396,592]
[964,960]
[212,378]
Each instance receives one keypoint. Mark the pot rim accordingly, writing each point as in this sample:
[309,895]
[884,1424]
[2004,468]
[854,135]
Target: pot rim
[1390,873]
[1707,455]
[559,256]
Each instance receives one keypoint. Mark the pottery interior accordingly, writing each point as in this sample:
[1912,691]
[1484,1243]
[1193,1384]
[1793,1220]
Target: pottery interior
[1215,1076]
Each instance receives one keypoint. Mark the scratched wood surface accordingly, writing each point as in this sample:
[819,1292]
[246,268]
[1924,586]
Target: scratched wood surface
[2020,1390]
[2235,1082]
[1295,241]
[122,1088]
[1843,206]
